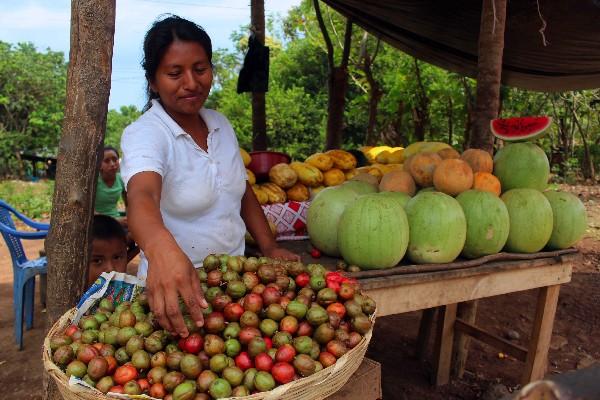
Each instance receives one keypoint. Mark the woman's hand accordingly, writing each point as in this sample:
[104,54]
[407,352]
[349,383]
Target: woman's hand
[170,272]
[171,275]
[281,253]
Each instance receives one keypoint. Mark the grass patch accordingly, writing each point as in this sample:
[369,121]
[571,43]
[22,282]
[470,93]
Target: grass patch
[34,199]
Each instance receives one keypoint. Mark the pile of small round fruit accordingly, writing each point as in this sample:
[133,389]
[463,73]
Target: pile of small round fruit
[268,323]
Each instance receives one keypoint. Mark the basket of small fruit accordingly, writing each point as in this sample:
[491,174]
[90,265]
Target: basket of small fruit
[273,330]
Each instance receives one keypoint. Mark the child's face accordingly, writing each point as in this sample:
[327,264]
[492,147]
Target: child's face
[110,163]
[107,255]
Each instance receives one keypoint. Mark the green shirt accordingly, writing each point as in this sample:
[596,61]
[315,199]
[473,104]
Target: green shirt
[107,197]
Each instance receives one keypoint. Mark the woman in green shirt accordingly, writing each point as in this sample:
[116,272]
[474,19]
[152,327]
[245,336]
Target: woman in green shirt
[110,186]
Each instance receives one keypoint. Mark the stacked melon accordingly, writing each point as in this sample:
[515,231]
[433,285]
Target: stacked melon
[467,204]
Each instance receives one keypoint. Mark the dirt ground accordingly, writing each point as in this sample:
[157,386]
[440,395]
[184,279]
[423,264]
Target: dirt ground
[575,343]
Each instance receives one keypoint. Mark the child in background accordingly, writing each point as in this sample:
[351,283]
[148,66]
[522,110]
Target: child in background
[109,247]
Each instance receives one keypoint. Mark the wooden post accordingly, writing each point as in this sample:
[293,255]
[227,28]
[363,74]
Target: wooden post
[443,343]
[425,332]
[467,311]
[537,356]
[489,72]
[259,112]
[88,89]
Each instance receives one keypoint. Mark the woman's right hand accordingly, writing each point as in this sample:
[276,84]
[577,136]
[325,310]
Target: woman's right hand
[171,275]
[170,272]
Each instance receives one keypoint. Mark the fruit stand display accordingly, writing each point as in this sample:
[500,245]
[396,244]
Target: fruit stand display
[439,227]
[273,330]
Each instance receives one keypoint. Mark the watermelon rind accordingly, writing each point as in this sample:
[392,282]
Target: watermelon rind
[518,129]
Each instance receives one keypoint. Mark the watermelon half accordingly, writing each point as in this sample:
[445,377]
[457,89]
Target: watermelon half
[519,128]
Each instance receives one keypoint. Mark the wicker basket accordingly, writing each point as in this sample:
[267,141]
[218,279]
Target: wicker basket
[317,386]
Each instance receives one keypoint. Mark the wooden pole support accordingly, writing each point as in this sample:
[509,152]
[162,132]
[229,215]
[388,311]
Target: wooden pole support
[425,332]
[443,343]
[467,311]
[537,357]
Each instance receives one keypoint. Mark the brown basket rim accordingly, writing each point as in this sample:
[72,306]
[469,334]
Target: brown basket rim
[352,360]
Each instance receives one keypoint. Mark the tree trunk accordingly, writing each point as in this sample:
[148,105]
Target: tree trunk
[259,112]
[393,135]
[337,83]
[375,91]
[450,120]
[489,71]
[88,88]
[469,105]
[588,165]
[421,110]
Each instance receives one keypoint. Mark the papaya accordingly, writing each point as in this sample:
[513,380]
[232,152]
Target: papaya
[320,160]
[283,175]
[307,174]
[342,159]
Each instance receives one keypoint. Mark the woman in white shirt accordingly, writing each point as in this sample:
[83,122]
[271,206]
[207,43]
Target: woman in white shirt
[186,182]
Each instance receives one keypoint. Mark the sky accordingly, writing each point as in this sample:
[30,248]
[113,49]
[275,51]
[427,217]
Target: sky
[47,25]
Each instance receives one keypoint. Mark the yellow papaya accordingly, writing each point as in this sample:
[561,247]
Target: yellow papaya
[261,195]
[251,177]
[342,159]
[282,175]
[298,192]
[276,194]
[307,174]
[320,160]
[334,177]
[245,157]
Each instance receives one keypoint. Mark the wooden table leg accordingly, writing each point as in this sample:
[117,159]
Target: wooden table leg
[443,343]
[466,311]
[425,332]
[537,356]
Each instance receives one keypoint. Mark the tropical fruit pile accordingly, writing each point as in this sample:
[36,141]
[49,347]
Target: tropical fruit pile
[298,180]
[269,323]
[439,204]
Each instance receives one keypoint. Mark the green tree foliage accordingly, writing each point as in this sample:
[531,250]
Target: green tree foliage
[32,96]
[116,121]
[414,96]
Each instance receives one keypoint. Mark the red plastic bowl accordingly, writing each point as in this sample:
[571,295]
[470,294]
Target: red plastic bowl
[262,161]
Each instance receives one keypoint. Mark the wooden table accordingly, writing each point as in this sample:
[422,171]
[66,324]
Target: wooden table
[445,289]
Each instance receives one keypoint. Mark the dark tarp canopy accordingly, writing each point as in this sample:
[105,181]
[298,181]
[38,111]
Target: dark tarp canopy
[445,33]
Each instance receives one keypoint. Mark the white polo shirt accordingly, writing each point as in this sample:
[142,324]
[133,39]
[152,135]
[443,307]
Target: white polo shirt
[201,191]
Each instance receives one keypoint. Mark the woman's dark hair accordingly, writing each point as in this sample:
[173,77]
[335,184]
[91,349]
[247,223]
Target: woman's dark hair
[110,148]
[165,30]
[106,228]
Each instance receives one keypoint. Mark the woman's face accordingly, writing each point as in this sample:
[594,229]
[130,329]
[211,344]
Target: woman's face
[183,78]
[110,163]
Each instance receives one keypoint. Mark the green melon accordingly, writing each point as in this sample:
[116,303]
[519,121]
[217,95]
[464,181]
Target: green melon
[360,187]
[438,228]
[323,217]
[530,217]
[487,223]
[522,165]
[570,219]
[400,197]
[373,232]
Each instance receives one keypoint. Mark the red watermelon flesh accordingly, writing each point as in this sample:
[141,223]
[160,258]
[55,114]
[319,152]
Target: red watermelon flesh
[519,128]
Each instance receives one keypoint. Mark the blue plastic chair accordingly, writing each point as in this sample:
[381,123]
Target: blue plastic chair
[24,270]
